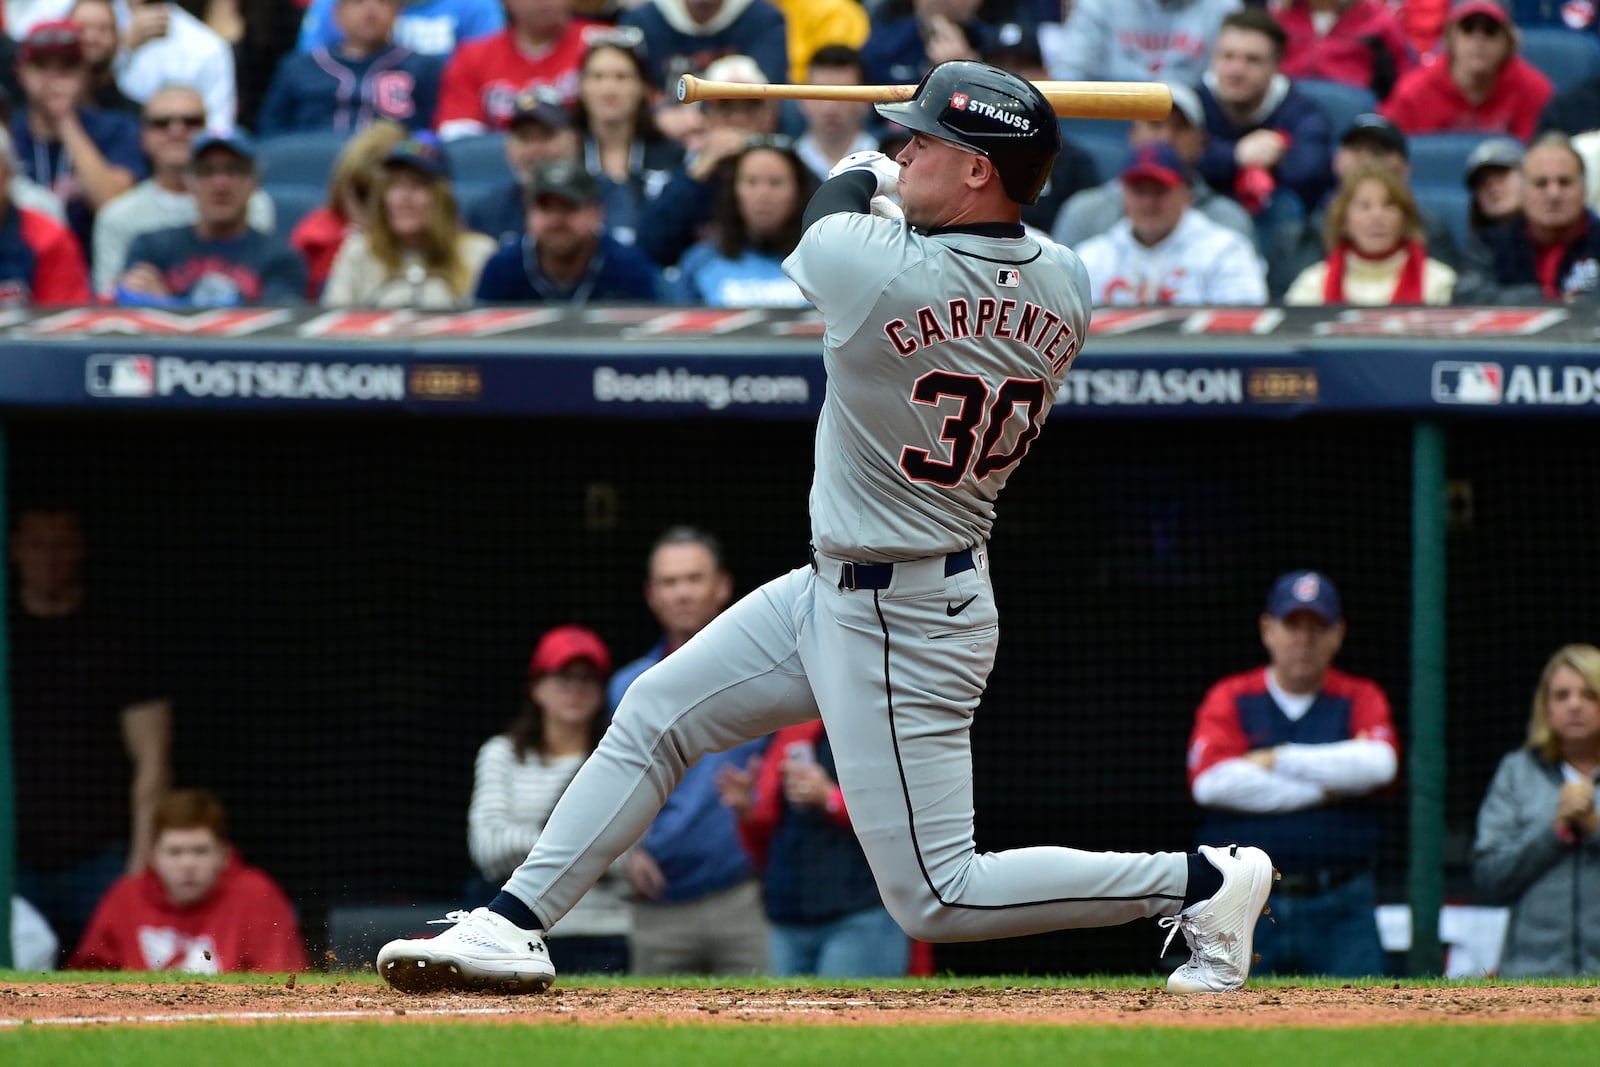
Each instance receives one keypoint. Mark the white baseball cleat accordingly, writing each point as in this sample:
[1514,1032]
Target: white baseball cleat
[1221,931]
[481,951]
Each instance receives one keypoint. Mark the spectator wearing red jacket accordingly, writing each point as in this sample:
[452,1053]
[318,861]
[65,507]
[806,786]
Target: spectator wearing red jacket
[197,907]
[1479,85]
[41,262]
[1357,42]
[542,44]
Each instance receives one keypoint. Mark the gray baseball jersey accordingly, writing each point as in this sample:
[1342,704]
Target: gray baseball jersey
[944,353]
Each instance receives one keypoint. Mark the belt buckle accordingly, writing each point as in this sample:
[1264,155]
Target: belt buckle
[847,575]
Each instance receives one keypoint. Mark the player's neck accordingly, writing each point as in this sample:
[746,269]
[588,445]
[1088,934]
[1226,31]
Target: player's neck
[565,739]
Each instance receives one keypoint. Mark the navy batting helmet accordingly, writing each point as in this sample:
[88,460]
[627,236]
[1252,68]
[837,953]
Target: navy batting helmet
[989,111]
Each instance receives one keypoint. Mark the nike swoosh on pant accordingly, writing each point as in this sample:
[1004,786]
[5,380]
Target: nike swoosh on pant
[959,608]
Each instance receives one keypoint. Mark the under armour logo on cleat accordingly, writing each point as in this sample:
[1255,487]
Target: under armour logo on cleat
[957,609]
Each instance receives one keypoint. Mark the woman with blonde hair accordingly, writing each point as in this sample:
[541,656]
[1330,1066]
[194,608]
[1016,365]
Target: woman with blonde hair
[1537,848]
[1375,245]
[317,237]
[414,252]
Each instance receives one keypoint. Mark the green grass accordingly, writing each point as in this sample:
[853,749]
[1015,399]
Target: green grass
[799,1045]
[558,1041]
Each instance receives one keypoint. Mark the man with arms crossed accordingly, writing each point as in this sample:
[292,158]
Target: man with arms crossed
[948,334]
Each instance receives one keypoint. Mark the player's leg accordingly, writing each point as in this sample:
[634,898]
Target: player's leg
[901,680]
[900,673]
[738,679]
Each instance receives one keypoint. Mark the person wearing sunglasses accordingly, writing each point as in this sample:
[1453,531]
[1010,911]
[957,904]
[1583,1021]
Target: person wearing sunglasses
[219,261]
[1479,85]
[82,154]
[172,119]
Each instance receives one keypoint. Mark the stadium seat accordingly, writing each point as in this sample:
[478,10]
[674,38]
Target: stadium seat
[1565,56]
[477,160]
[1451,203]
[1106,129]
[300,158]
[1108,153]
[292,202]
[1441,158]
[1340,102]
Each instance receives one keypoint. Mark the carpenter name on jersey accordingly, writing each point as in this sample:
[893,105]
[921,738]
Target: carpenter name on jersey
[944,353]
[962,317]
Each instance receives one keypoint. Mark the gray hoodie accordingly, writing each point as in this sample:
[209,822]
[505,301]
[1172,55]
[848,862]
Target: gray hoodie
[1551,886]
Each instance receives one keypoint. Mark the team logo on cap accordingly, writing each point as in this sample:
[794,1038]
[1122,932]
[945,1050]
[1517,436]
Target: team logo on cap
[1306,588]
[958,101]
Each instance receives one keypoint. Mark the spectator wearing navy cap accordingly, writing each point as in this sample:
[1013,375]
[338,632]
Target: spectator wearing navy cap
[414,252]
[1494,176]
[346,85]
[566,256]
[83,155]
[1094,211]
[1479,85]
[1369,140]
[1291,756]
[541,131]
[173,119]
[219,261]
[1550,253]
[1163,251]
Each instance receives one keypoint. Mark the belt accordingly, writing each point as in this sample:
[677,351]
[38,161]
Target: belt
[1316,882]
[881,575]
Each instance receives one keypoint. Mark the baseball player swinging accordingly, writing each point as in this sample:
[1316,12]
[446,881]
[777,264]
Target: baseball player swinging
[948,334]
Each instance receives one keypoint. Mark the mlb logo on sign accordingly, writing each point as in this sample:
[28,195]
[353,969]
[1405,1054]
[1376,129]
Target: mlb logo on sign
[1008,277]
[958,101]
[125,376]
[1467,383]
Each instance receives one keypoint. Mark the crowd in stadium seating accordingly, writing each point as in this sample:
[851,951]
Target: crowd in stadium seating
[1278,106]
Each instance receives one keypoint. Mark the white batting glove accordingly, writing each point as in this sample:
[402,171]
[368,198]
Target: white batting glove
[880,166]
[885,208]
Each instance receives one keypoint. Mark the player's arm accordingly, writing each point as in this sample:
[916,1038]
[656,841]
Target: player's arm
[852,190]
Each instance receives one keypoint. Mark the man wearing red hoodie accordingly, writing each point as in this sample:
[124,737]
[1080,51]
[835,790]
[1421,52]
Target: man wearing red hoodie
[1479,85]
[1356,42]
[197,907]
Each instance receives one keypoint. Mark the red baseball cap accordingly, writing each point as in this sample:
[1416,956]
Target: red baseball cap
[1157,161]
[57,38]
[1487,8]
[566,644]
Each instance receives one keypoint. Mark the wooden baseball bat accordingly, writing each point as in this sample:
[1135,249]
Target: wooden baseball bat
[1073,100]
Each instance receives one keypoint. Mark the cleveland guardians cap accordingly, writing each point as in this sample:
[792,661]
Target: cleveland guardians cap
[1305,591]
[1155,161]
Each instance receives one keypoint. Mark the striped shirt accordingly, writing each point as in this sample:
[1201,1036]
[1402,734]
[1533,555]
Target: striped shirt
[511,800]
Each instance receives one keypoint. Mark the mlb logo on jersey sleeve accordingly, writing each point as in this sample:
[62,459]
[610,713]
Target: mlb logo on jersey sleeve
[1010,277]
[959,101]
[1457,382]
[124,376]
